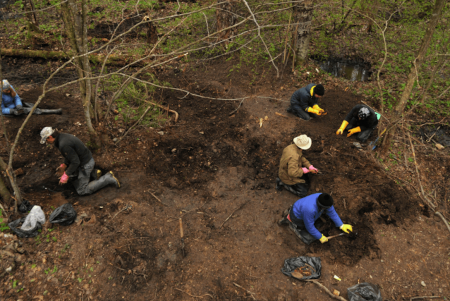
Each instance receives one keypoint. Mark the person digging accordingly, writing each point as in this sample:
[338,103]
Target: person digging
[13,105]
[304,102]
[78,163]
[303,217]
[361,120]
[293,174]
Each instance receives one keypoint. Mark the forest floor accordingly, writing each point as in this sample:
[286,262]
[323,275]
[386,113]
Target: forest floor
[215,170]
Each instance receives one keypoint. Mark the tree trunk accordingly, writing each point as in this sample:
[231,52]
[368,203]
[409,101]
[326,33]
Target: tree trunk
[415,67]
[302,16]
[225,17]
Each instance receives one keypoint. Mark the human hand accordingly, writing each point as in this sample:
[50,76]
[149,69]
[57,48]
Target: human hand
[323,239]
[19,107]
[313,169]
[61,169]
[15,112]
[63,179]
[305,170]
[353,131]
[339,132]
[346,228]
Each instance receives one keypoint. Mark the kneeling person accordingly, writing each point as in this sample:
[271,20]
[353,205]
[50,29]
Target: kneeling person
[294,167]
[78,163]
[303,215]
[362,120]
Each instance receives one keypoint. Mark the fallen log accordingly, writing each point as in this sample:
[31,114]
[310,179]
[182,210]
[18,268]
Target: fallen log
[59,55]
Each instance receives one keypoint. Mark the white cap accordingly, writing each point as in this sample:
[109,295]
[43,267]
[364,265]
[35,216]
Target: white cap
[303,142]
[45,133]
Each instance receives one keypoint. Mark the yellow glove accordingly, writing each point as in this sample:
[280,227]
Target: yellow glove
[353,131]
[342,128]
[319,109]
[346,228]
[311,110]
[323,239]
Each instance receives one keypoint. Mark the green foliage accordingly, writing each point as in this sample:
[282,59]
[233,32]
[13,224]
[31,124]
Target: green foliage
[3,226]
[131,103]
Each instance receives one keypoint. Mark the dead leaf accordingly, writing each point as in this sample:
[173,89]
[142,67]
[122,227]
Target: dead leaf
[336,292]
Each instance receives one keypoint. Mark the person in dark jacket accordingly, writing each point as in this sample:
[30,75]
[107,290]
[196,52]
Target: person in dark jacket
[293,174]
[304,102]
[13,105]
[362,120]
[302,217]
[78,163]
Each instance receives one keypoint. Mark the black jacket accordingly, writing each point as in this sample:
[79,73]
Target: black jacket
[303,98]
[74,151]
[367,124]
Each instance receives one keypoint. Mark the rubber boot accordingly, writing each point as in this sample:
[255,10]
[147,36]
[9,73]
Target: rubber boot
[279,186]
[55,111]
[107,179]
[96,174]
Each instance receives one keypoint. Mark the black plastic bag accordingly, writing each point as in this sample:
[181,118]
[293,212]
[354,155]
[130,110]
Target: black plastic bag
[64,215]
[291,264]
[14,226]
[25,207]
[364,292]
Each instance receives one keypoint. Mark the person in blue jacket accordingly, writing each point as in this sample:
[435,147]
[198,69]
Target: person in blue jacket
[11,102]
[13,105]
[304,213]
[304,102]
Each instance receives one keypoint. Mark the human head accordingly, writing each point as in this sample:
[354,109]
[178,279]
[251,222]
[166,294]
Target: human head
[6,86]
[319,90]
[363,113]
[324,201]
[45,133]
[303,142]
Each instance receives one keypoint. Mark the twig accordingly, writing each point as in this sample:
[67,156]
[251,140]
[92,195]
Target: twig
[164,108]
[125,208]
[137,122]
[237,107]
[262,40]
[279,114]
[418,175]
[421,297]
[240,207]
[193,295]
[326,290]
[443,218]
[157,199]
[429,139]
[433,122]
[251,294]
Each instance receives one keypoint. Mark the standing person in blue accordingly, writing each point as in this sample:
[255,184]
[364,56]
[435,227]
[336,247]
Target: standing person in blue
[304,102]
[362,120]
[302,217]
[13,105]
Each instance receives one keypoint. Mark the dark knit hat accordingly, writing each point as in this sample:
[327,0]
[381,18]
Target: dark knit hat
[319,90]
[325,200]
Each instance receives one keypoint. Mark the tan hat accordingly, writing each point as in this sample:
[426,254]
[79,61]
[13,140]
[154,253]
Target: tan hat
[303,142]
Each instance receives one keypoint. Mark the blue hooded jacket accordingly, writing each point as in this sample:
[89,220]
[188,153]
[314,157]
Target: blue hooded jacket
[307,210]
[9,102]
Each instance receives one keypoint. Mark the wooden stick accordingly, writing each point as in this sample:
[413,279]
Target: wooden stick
[251,294]
[428,297]
[276,113]
[193,295]
[242,205]
[158,199]
[418,175]
[326,290]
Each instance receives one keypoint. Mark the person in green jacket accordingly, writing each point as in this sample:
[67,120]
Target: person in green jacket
[294,167]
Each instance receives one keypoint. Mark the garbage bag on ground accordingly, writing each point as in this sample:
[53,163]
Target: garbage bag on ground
[364,292]
[25,206]
[302,268]
[31,224]
[64,215]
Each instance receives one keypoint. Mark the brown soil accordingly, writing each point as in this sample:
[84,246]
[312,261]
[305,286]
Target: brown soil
[216,162]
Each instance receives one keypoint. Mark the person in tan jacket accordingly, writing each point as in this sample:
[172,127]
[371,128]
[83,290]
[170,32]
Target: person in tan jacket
[294,167]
